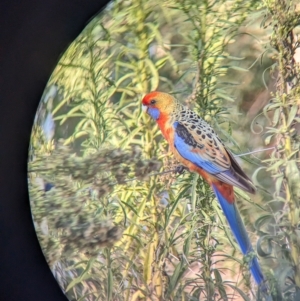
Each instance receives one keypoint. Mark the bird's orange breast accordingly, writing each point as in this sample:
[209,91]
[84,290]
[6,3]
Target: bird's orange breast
[165,126]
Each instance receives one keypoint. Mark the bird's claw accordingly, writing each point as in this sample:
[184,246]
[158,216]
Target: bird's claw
[180,169]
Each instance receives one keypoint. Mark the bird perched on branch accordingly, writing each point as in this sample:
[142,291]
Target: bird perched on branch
[196,145]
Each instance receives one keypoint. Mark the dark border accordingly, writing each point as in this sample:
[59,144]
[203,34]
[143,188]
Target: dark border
[33,34]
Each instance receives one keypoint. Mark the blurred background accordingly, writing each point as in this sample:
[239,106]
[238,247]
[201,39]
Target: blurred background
[113,219]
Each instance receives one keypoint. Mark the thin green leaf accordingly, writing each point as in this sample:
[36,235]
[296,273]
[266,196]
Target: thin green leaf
[242,294]
[260,251]
[292,114]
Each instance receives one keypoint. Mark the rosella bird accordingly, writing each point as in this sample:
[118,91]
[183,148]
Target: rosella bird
[196,145]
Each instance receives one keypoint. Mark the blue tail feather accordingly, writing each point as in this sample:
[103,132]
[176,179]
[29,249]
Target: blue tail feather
[237,226]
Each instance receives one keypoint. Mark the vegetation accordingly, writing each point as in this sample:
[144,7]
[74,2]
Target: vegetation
[114,220]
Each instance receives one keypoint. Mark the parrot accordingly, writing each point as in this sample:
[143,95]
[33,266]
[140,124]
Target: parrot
[197,147]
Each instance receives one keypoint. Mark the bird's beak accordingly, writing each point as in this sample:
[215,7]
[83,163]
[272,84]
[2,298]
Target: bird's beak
[145,108]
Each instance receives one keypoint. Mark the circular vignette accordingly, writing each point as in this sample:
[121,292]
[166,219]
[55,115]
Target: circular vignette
[32,37]
[149,79]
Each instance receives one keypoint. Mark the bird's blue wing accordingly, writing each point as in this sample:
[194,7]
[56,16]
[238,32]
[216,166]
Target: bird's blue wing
[202,147]
[198,151]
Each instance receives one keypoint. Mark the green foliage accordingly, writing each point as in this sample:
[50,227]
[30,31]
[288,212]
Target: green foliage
[79,220]
[281,240]
[118,224]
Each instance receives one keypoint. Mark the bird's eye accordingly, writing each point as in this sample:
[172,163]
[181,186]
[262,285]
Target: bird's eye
[153,101]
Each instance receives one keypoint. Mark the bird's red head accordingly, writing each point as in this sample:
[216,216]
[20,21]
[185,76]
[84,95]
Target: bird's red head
[150,98]
[156,103]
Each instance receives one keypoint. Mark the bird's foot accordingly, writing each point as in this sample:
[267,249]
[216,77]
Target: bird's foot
[180,169]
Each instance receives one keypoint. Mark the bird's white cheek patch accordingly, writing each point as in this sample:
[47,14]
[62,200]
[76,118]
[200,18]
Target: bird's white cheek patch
[144,108]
